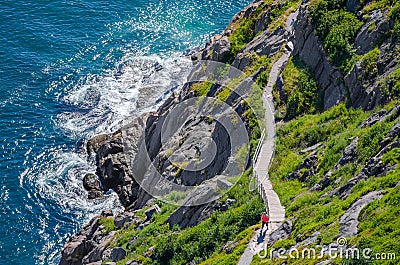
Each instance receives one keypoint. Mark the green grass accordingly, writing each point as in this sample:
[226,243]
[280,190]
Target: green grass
[337,29]
[300,90]
[394,15]
[379,222]
[224,94]
[368,144]
[392,157]
[205,239]
[369,63]
[201,88]
[390,85]
[171,245]
[243,31]
[108,223]
[279,15]
[232,258]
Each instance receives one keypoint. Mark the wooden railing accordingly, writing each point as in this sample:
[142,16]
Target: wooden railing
[258,149]
[260,187]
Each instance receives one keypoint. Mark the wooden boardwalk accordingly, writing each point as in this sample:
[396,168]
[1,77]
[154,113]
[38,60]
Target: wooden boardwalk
[263,159]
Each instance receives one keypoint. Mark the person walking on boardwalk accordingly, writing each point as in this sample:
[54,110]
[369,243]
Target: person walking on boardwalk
[264,220]
[292,26]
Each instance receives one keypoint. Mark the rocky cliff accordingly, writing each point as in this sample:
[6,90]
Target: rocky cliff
[358,87]
[132,160]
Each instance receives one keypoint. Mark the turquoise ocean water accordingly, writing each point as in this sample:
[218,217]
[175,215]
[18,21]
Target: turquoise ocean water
[70,70]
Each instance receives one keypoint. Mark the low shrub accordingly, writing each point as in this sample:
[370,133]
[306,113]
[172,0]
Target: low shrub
[369,63]
[337,29]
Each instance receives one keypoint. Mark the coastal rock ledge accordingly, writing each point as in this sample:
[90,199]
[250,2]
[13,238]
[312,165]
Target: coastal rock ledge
[135,152]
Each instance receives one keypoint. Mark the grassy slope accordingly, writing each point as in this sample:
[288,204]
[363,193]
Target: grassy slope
[379,221]
[158,243]
[379,226]
[300,94]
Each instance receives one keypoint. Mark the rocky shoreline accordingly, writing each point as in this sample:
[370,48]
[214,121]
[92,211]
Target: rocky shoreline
[120,158]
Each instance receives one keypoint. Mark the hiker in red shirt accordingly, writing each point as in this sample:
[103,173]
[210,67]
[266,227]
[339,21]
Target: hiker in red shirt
[264,219]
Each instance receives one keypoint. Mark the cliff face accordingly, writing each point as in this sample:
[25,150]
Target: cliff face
[128,159]
[311,52]
[360,89]
[356,87]
[135,160]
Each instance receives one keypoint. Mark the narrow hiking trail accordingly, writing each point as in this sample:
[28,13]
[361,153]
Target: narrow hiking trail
[272,203]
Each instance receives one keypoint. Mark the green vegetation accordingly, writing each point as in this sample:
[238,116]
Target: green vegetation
[209,119]
[204,239]
[392,157]
[108,223]
[394,15]
[369,141]
[238,247]
[242,35]
[337,29]
[369,63]
[390,85]
[158,243]
[253,116]
[243,32]
[252,105]
[392,6]
[201,88]
[333,127]
[171,245]
[279,15]
[379,223]
[224,94]
[300,91]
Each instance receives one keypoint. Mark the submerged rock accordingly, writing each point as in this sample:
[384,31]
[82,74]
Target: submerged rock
[92,185]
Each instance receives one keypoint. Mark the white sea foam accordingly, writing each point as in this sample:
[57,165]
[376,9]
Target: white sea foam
[132,87]
[97,104]
[59,198]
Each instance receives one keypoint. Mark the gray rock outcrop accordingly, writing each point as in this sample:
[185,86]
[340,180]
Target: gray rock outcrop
[334,84]
[310,51]
[283,232]
[349,221]
[306,169]
[349,154]
[374,166]
[376,27]
[188,216]
[92,244]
